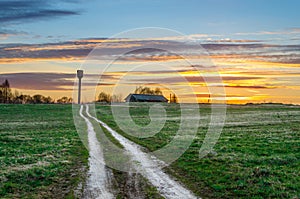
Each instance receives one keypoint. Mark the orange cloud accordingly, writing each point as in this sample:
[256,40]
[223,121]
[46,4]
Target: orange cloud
[248,71]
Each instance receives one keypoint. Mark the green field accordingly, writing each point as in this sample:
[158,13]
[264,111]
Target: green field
[257,155]
[41,155]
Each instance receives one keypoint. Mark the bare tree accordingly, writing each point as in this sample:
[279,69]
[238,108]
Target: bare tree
[65,100]
[5,92]
[104,97]
[147,91]
[173,98]
[38,99]
[157,91]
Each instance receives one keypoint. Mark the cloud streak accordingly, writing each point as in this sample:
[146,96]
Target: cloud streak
[150,50]
[289,31]
[39,81]
[246,67]
[17,11]
[14,12]
[45,81]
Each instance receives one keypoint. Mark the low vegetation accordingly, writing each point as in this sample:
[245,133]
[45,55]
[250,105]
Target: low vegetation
[257,155]
[41,155]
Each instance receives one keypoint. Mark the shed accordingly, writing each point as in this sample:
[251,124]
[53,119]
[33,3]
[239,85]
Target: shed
[145,98]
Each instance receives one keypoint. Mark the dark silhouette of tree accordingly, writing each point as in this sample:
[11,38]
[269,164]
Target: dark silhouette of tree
[173,98]
[7,96]
[48,100]
[38,99]
[22,99]
[26,99]
[157,91]
[104,97]
[5,92]
[1,94]
[16,98]
[107,98]
[147,91]
[65,100]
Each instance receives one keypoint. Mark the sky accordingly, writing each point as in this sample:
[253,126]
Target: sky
[234,51]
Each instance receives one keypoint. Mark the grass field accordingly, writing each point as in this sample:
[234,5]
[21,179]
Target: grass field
[257,155]
[41,155]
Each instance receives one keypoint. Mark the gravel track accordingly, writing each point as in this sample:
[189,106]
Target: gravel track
[149,167]
[99,177]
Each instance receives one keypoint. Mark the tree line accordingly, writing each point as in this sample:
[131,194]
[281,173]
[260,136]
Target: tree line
[9,97]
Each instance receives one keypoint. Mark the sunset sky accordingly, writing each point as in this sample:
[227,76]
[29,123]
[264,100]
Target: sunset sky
[253,46]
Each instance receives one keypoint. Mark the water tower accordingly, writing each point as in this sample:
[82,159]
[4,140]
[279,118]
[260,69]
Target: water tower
[79,76]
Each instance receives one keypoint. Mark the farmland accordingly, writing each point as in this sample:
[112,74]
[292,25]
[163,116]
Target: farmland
[41,154]
[257,155]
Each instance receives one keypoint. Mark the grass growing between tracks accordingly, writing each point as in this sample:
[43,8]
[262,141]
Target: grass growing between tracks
[257,154]
[41,155]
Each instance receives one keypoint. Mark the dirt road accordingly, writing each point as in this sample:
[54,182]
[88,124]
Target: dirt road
[149,167]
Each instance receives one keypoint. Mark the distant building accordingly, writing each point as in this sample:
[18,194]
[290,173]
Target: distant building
[145,98]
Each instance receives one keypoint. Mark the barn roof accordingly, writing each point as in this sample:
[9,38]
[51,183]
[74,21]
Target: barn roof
[147,98]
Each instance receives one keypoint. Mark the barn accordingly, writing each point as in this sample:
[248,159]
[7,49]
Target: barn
[145,98]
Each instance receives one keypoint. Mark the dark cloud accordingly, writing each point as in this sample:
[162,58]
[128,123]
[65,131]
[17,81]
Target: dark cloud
[269,73]
[82,48]
[36,15]
[17,11]
[38,81]
[11,32]
[65,81]
[236,41]
[43,81]
[250,87]
[105,84]
[43,51]
[193,79]
[149,50]
[208,95]
[146,50]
